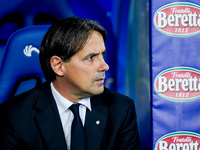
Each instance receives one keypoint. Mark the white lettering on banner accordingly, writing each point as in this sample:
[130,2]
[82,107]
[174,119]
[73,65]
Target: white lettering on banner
[175,10]
[177,139]
[182,75]
[163,145]
[191,84]
[180,140]
[178,84]
[192,20]
[180,19]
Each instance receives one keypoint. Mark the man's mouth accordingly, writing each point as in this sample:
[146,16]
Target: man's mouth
[101,80]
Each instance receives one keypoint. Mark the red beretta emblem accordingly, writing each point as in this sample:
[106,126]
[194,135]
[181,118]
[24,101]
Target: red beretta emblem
[178,84]
[182,140]
[180,19]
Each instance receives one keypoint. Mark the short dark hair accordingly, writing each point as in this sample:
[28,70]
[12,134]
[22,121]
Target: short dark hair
[64,39]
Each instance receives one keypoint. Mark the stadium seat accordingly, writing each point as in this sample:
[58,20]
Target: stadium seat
[20,70]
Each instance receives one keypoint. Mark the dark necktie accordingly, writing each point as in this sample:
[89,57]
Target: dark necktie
[77,130]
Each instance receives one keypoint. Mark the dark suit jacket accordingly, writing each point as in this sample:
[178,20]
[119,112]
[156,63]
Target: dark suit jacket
[30,121]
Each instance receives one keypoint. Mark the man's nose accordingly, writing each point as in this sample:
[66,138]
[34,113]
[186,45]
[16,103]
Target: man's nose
[103,65]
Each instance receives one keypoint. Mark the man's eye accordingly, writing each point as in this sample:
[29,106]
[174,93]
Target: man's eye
[92,57]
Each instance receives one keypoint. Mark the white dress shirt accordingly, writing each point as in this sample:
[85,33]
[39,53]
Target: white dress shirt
[66,114]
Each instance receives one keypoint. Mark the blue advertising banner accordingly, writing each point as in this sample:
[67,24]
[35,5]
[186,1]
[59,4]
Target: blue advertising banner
[175,74]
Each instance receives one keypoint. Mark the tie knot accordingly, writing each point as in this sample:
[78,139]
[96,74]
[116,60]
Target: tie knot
[75,109]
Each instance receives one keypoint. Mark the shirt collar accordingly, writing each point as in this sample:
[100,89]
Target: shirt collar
[63,104]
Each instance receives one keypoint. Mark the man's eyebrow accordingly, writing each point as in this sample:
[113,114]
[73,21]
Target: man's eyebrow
[94,54]
[90,55]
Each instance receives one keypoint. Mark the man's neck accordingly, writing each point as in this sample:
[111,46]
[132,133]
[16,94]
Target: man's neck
[66,92]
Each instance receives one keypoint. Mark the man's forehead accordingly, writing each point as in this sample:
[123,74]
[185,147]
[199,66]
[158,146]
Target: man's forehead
[95,40]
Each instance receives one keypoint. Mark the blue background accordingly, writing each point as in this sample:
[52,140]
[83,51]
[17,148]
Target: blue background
[127,24]
[167,52]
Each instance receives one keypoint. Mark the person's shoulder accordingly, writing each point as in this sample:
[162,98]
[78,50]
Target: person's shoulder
[114,94]
[25,98]
[115,97]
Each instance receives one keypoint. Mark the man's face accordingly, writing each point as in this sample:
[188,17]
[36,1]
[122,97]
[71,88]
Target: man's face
[84,74]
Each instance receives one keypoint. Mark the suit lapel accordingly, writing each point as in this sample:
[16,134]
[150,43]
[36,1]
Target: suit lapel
[95,123]
[48,120]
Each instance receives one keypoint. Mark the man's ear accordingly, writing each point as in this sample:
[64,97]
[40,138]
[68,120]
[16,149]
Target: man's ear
[56,64]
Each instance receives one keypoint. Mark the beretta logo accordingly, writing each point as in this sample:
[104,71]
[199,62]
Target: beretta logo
[181,140]
[180,19]
[178,84]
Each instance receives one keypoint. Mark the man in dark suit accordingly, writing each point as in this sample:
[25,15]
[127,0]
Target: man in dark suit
[71,58]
